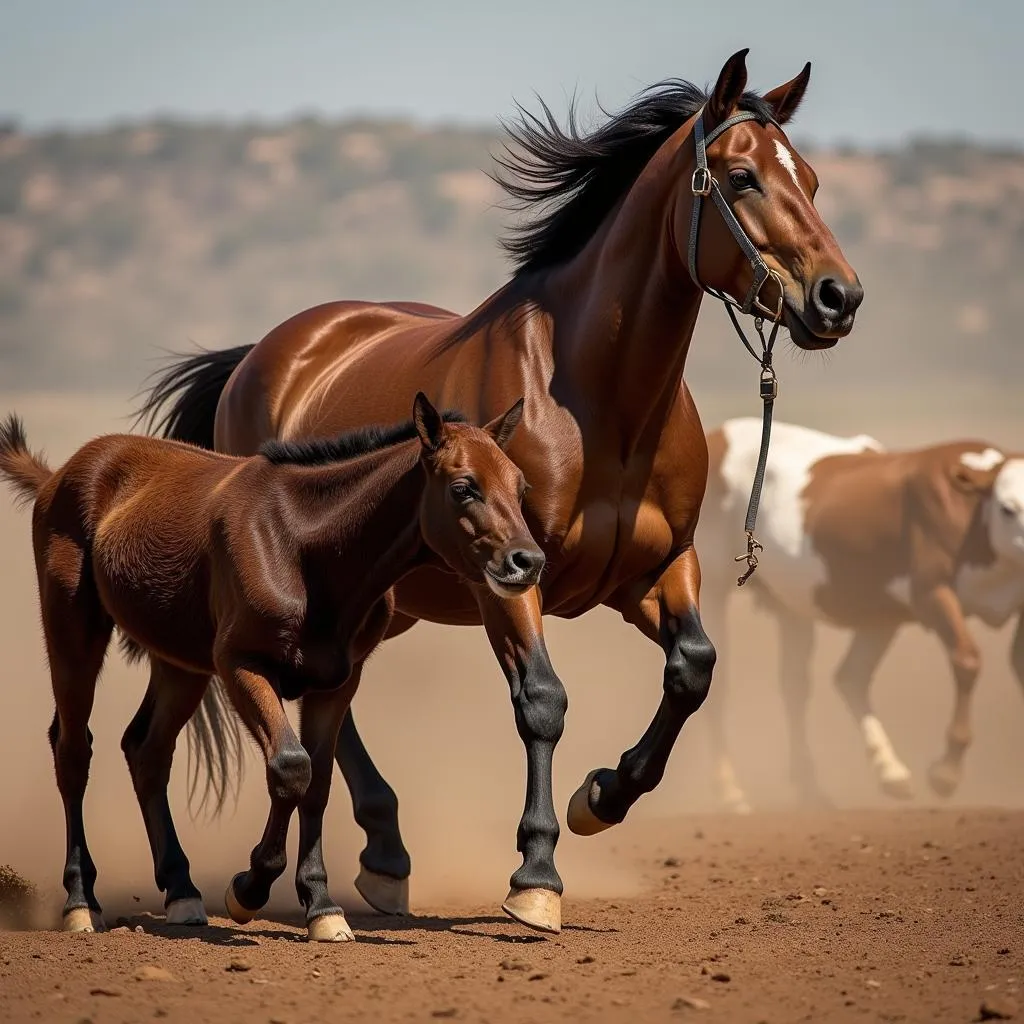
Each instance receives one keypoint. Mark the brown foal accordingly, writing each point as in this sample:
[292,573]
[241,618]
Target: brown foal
[594,328]
[273,572]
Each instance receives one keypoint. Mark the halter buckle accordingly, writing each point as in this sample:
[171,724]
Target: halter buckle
[701,183]
[769,384]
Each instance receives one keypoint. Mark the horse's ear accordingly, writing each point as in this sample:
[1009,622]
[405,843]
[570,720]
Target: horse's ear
[975,473]
[502,428]
[428,421]
[785,99]
[732,80]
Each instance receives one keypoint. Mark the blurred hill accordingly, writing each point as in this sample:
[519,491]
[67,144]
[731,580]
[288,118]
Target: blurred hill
[116,245]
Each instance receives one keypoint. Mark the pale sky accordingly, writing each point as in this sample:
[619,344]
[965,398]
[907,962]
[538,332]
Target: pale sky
[882,69]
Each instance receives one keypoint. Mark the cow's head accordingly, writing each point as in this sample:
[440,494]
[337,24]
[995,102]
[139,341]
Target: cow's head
[1000,480]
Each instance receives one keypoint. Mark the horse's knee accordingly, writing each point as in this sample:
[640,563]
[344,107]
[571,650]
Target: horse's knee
[289,773]
[966,666]
[540,704]
[688,669]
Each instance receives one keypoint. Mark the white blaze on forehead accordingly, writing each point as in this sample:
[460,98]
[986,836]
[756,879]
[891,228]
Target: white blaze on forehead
[1009,485]
[982,461]
[785,158]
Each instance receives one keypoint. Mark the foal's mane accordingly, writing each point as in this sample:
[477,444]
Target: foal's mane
[360,441]
[574,179]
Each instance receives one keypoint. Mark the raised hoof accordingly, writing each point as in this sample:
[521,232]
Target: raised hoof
[536,908]
[188,912]
[237,913]
[385,894]
[82,919]
[898,788]
[579,817]
[943,777]
[330,928]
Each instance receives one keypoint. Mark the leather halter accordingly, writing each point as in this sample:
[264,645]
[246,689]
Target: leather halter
[704,185]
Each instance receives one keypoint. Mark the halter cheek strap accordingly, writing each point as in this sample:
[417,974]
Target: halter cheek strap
[703,186]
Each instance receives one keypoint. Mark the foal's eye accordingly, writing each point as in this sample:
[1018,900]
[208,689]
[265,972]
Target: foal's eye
[1007,510]
[462,491]
[741,180]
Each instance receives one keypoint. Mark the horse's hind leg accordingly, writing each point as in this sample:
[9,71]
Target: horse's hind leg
[321,718]
[288,775]
[148,744]
[77,631]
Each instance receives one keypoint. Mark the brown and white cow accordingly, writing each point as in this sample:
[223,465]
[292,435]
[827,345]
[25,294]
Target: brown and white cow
[866,539]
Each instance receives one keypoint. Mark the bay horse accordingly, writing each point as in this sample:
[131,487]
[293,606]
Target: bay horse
[867,540]
[275,572]
[594,328]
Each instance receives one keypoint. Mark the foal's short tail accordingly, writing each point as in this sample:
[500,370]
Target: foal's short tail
[23,470]
[181,404]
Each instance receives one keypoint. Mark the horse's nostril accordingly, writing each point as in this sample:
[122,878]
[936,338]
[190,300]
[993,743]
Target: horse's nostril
[522,561]
[831,296]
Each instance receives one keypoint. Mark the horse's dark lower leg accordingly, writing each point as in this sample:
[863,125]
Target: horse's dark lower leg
[796,646]
[288,776]
[77,632]
[539,702]
[321,718]
[148,744]
[853,680]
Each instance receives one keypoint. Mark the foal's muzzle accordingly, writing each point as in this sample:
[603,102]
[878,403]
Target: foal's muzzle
[519,570]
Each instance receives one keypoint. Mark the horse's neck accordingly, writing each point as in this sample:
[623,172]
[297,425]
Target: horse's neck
[359,519]
[631,308]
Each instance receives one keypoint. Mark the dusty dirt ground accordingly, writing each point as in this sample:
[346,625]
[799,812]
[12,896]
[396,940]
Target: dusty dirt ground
[849,916]
[910,890]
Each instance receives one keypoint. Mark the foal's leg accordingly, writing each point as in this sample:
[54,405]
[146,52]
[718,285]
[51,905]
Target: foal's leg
[668,613]
[713,607]
[796,646]
[940,610]
[321,718]
[384,864]
[515,630]
[853,679]
[77,631]
[148,744]
[288,775]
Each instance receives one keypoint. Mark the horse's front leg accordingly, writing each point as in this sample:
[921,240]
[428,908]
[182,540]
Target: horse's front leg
[669,614]
[515,631]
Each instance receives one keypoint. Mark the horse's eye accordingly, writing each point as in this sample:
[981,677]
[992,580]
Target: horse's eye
[462,491]
[741,180]
[1007,510]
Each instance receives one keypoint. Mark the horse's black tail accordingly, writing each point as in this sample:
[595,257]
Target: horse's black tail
[24,471]
[181,404]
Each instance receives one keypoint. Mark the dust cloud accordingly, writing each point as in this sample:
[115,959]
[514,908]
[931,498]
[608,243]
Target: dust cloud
[434,712]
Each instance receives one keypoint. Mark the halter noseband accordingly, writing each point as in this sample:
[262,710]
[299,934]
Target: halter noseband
[704,185]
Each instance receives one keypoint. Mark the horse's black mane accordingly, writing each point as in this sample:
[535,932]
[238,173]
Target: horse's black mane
[361,441]
[582,176]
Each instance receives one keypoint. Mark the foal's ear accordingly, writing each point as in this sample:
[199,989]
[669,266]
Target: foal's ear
[428,421]
[732,80]
[502,428]
[785,99]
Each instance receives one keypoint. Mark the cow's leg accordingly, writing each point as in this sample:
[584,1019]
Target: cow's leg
[940,610]
[853,679]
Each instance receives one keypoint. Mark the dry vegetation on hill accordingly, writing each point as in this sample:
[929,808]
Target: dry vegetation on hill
[117,244]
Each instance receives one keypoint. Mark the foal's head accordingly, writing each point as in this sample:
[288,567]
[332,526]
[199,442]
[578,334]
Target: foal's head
[470,514]
[770,189]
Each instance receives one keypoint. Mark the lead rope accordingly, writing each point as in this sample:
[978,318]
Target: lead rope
[704,185]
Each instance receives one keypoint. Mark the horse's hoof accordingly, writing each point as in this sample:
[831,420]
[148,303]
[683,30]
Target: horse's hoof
[899,788]
[579,817]
[943,777]
[330,928]
[738,805]
[385,894]
[237,913]
[82,919]
[536,908]
[189,912]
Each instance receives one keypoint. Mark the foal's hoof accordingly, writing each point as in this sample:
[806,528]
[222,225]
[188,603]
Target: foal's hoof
[82,919]
[536,908]
[579,817]
[329,928]
[189,912]
[385,894]
[944,777]
[238,913]
[899,788]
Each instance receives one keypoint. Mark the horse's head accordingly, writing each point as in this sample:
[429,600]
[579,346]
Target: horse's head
[471,514]
[769,188]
